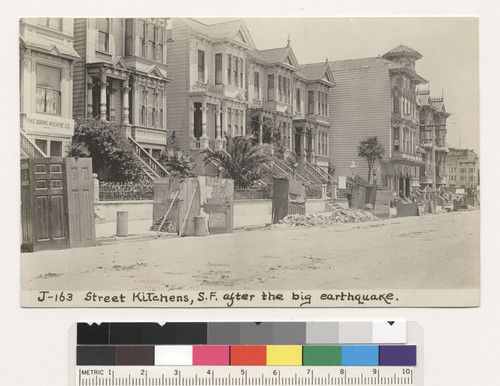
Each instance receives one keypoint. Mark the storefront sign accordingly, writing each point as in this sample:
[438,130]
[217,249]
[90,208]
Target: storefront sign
[48,124]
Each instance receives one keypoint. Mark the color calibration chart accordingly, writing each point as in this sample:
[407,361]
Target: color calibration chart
[249,354]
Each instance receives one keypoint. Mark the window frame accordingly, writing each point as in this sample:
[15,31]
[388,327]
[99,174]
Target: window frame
[201,66]
[102,33]
[54,91]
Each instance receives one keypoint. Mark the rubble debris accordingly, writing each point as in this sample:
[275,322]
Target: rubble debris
[328,218]
[168,226]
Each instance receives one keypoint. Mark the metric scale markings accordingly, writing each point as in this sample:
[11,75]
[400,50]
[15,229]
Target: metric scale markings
[244,376]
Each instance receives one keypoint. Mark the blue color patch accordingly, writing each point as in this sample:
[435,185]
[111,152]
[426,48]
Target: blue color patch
[360,355]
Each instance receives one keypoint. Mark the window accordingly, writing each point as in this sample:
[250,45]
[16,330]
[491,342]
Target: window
[103,35]
[151,107]
[241,75]
[463,170]
[160,109]
[159,36]
[54,23]
[256,85]
[42,144]
[297,99]
[142,105]
[151,42]
[395,102]
[55,148]
[201,66]
[471,170]
[462,178]
[229,121]
[471,179]
[310,102]
[235,70]
[141,31]
[229,62]
[270,87]
[218,68]
[129,37]
[48,90]
[396,139]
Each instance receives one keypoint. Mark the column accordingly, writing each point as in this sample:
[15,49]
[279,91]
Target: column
[111,102]
[126,107]
[90,87]
[103,84]
[314,133]
[224,119]
[244,117]
[219,141]
[303,153]
[290,140]
[204,140]
[192,141]
[261,123]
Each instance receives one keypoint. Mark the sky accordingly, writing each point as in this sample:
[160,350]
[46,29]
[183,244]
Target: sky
[451,65]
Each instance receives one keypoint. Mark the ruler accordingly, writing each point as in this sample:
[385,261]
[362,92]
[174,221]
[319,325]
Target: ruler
[243,376]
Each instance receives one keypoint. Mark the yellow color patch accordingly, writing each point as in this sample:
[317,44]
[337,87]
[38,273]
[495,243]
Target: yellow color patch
[284,355]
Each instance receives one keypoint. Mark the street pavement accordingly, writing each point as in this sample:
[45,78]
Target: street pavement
[433,251]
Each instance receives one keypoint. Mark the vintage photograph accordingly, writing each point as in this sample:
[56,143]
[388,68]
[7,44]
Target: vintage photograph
[249,162]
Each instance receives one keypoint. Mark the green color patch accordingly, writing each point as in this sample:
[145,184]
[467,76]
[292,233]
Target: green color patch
[322,355]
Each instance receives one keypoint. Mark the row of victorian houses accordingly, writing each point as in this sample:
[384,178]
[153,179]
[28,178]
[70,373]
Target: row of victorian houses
[157,76]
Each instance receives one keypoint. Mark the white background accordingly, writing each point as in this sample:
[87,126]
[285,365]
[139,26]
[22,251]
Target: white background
[460,344]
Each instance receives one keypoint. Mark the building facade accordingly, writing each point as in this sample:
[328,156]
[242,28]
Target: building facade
[221,80]
[47,62]
[122,76]
[462,166]
[379,97]
[432,139]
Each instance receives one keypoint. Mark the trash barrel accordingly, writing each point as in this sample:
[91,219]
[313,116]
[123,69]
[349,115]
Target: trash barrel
[122,224]
[199,226]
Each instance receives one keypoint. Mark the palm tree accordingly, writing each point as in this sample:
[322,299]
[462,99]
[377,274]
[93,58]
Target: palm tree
[242,161]
[371,150]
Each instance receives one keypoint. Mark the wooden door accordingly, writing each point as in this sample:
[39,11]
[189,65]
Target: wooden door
[80,191]
[43,204]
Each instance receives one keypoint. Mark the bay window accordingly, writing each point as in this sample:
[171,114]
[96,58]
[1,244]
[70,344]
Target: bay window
[48,90]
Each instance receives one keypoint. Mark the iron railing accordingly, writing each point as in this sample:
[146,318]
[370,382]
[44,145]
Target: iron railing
[125,191]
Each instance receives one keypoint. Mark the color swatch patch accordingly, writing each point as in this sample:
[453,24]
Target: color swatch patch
[233,333]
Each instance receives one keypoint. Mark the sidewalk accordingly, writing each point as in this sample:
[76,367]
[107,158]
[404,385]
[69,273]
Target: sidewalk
[139,229]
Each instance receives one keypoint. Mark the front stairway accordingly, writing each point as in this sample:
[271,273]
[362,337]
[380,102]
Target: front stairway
[150,167]
[29,149]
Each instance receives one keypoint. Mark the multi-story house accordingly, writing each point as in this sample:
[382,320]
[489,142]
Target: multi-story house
[47,60]
[377,97]
[207,99]
[220,77]
[463,169]
[432,136]
[122,76]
